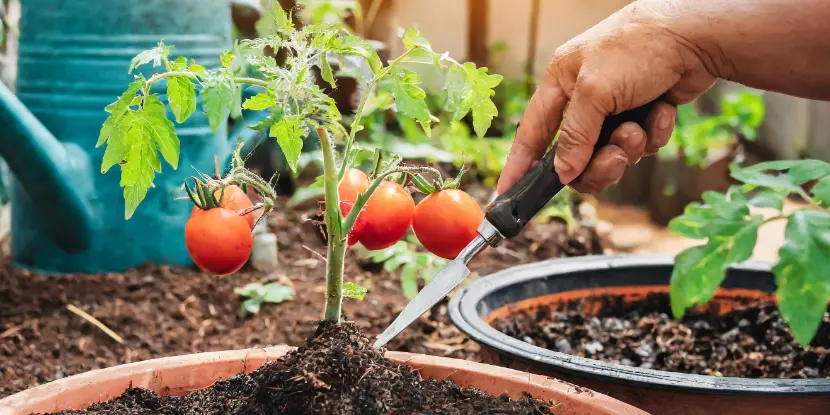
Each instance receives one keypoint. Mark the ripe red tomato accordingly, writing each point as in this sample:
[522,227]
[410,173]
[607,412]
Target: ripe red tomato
[359,223]
[388,215]
[234,199]
[353,183]
[219,240]
[446,221]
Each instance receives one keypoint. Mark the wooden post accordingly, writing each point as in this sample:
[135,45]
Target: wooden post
[477,31]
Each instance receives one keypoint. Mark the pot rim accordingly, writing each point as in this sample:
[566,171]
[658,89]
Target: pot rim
[175,375]
[462,309]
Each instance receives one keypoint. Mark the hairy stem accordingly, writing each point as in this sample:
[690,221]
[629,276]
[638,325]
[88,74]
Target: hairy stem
[336,242]
[160,76]
[353,128]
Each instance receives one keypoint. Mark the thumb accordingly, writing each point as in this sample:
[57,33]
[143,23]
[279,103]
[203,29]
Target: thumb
[579,132]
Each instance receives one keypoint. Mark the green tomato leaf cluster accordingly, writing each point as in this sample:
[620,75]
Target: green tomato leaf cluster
[730,231]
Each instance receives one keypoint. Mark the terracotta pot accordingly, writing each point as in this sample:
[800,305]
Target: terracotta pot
[633,276]
[183,374]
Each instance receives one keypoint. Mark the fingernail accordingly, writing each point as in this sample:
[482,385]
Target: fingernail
[562,167]
[664,120]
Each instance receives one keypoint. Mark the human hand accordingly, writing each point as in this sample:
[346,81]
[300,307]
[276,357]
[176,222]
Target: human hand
[626,61]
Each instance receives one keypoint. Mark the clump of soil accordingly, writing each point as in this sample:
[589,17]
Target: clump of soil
[752,341]
[336,372]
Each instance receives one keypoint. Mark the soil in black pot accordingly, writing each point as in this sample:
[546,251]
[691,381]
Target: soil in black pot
[337,372]
[752,341]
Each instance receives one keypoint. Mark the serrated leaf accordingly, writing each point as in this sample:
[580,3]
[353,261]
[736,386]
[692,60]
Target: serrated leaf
[483,114]
[156,55]
[277,293]
[352,290]
[181,93]
[803,289]
[180,64]
[353,45]
[325,70]
[197,69]
[141,163]
[289,133]
[799,171]
[821,192]
[699,270]
[409,97]
[162,130]
[117,143]
[227,59]
[218,99]
[253,290]
[261,101]
[117,109]
[456,88]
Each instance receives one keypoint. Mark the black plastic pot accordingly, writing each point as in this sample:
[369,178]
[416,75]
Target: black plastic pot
[655,391]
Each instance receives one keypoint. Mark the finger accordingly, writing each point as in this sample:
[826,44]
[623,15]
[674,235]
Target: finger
[631,138]
[580,130]
[535,133]
[605,169]
[659,126]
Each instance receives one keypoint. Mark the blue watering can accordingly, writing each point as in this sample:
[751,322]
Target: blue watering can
[74,56]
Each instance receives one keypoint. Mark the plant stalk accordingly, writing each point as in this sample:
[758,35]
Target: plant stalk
[336,242]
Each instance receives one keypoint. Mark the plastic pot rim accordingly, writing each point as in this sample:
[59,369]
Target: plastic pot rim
[462,309]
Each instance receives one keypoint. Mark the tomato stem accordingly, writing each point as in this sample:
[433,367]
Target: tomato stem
[336,240]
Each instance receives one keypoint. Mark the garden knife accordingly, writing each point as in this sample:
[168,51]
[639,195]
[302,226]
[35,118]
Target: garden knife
[505,218]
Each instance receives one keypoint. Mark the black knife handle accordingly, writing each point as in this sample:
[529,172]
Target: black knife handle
[511,211]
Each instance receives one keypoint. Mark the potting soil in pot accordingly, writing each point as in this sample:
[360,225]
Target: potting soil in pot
[752,341]
[337,372]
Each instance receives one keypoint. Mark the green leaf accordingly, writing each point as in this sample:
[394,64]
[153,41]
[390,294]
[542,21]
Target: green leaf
[218,99]
[325,70]
[117,147]
[354,45]
[117,110]
[162,130]
[471,89]
[181,93]
[699,270]
[821,191]
[277,293]
[799,171]
[409,97]
[227,59]
[759,178]
[252,290]
[412,38]
[483,114]
[156,55]
[767,198]
[803,289]
[141,162]
[261,101]
[180,64]
[250,306]
[352,290]
[197,69]
[456,88]
[409,281]
[289,133]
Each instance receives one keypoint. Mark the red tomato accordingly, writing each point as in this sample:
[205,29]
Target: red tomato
[219,240]
[388,215]
[359,223]
[353,183]
[446,221]
[234,199]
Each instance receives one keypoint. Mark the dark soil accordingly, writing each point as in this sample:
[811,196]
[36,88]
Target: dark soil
[752,341]
[162,311]
[337,372]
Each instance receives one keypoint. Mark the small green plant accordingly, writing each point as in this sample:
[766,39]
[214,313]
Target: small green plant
[561,207]
[695,136]
[730,229]
[258,294]
[138,129]
[413,263]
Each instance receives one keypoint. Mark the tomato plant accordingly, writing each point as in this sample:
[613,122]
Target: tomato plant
[138,129]
[730,229]
[446,221]
[219,240]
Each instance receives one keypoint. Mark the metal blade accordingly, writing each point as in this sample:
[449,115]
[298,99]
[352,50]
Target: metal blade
[448,278]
